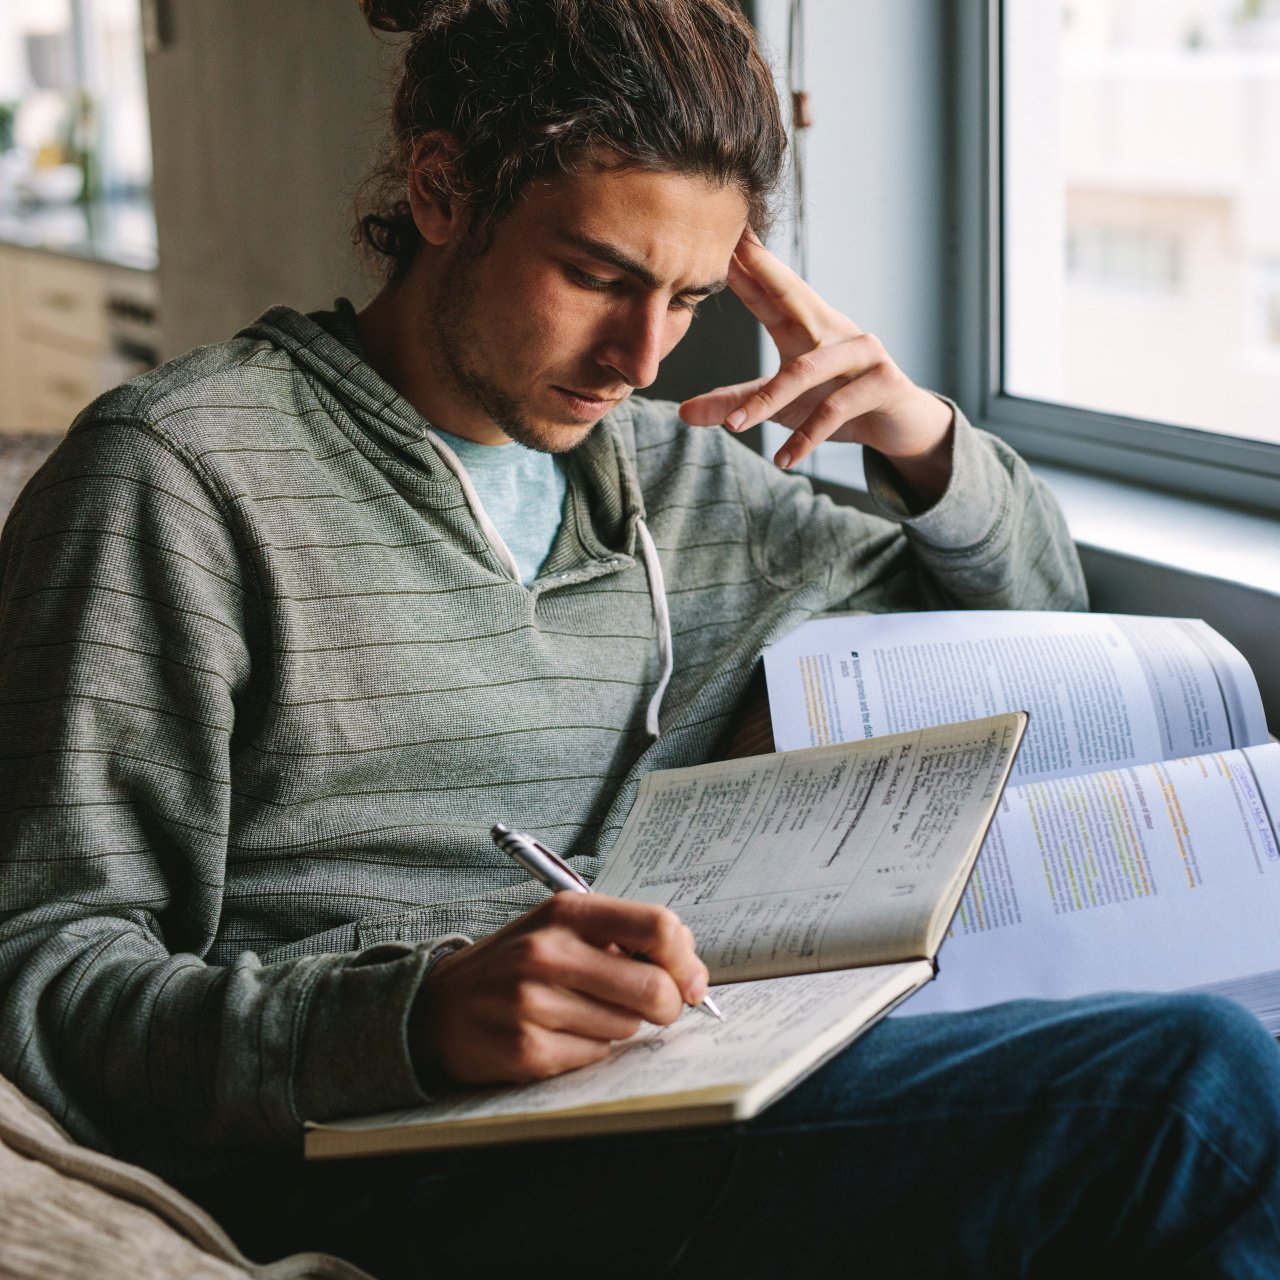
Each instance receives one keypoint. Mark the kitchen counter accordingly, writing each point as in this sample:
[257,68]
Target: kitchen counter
[116,232]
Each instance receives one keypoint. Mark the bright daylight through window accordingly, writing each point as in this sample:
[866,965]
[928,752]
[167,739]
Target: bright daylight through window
[1142,209]
[73,109]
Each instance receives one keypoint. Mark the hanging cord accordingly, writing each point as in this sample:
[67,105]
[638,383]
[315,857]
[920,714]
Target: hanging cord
[662,618]
[801,119]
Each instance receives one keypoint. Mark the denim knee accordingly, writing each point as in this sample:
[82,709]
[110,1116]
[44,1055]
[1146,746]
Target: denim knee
[1115,1135]
[1221,1056]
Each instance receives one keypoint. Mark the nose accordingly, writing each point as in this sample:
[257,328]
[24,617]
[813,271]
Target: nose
[635,347]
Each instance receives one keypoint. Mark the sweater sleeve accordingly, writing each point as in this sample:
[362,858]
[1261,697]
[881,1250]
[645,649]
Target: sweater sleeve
[995,539]
[128,681]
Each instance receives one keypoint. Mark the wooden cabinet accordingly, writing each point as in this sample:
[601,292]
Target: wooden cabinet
[69,329]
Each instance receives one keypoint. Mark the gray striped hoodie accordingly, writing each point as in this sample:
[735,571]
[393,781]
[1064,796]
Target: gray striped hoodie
[267,681]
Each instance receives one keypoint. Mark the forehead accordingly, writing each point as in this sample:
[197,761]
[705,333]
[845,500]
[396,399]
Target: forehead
[681,227]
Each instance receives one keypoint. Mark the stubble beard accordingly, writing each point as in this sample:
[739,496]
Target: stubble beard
[457,337]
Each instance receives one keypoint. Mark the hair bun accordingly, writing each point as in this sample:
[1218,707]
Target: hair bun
[396,15]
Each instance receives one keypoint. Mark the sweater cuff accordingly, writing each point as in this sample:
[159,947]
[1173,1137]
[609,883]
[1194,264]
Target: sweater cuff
[970,508]
[353,1048]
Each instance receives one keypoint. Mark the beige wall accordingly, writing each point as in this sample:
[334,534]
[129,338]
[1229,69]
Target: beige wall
[264,118]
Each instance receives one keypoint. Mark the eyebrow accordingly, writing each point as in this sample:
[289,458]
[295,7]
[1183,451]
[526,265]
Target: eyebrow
[611,254]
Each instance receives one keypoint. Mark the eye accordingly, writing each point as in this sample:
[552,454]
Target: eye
[680,303]
[591,282]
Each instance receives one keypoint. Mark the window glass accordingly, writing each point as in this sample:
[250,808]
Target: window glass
[73,116]
[1141,215]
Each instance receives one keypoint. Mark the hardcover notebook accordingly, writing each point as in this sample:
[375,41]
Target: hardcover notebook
[819,884]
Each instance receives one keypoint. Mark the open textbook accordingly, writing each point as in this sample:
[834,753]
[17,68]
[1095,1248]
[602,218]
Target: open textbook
[819,883]
[1136,847]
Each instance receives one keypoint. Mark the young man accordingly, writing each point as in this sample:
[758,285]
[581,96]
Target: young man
[288,624]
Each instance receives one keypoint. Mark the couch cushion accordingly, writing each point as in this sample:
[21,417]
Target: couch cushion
[67,1212]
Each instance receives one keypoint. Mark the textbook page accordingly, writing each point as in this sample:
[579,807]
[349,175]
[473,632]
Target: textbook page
[1102,689]
[698,1070]
[1158,877]
[818,859]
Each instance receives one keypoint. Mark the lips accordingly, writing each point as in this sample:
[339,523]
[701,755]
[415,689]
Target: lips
[584,407]
[590,397]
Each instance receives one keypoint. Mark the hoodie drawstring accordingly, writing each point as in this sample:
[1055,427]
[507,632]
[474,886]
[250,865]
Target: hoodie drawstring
[658,597]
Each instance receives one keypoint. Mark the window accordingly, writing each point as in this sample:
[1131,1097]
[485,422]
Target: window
[1126,306]
[1265,310]
[1119,256]
[1064,212]
[73,114]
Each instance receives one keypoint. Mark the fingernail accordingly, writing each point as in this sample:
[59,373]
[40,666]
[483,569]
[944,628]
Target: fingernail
[783,458]
[736,419]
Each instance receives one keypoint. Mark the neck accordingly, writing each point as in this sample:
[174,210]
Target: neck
[398,332]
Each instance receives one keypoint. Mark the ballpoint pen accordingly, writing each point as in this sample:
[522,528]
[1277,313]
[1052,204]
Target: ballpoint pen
[552,870]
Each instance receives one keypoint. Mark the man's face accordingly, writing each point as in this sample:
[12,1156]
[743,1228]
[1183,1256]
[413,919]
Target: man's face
[590,281]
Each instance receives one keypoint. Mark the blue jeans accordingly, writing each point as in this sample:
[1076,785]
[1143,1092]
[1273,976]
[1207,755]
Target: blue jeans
[1123,1135]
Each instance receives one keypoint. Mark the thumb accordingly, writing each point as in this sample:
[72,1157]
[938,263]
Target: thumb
[712,407]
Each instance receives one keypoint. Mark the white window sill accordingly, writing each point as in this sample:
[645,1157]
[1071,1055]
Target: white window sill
[1149,552]
[1171,532]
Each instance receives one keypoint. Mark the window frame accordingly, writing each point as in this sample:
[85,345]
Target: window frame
[1237,472]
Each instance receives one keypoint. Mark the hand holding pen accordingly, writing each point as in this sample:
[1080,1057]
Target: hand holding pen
[553,990]
[551,870]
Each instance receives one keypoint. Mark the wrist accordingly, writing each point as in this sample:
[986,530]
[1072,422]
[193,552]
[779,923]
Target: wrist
[425,1048]
[926,471]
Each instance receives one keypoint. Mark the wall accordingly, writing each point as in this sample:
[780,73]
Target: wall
[876,177]
[264,118]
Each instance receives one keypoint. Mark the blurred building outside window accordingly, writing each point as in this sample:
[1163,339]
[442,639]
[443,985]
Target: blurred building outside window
[1141,215]
[1266,305]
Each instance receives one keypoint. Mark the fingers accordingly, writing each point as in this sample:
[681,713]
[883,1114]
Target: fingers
[775,295]
[539,1054]
[552,990]
[791,394]
[837,412]
[517,1030]
[559,956]
[803,327]
[539,1000]
[654,932]
[835,382]
[711,407]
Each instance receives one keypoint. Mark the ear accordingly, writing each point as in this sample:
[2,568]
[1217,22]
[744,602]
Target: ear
[436,188]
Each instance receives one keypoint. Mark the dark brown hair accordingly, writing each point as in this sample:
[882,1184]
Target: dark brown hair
[526,87]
